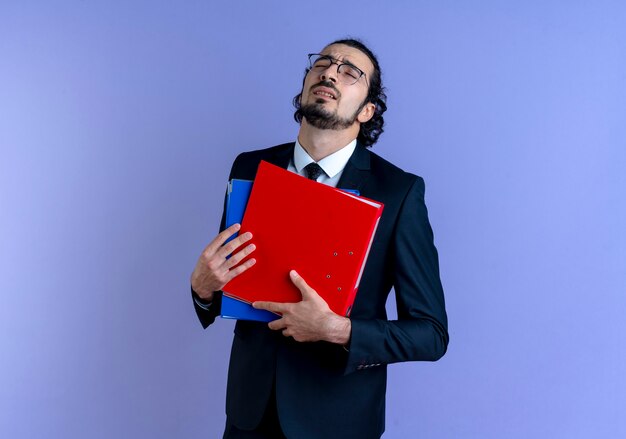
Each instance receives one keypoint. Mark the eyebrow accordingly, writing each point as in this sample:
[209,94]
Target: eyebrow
[343,61]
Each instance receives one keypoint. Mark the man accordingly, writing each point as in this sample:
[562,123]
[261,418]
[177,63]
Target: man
[312,373]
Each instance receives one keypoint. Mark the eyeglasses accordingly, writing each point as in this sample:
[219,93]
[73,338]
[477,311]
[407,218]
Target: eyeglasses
[346,73]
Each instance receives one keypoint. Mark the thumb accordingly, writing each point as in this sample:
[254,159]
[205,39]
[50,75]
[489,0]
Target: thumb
[306,291]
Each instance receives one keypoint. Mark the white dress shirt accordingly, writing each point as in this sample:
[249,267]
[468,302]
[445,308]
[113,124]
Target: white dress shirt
[332,165]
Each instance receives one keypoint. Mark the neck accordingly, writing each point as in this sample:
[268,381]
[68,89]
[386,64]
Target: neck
[322,143]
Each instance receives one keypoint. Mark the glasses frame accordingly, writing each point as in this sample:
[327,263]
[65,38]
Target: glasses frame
[339,65]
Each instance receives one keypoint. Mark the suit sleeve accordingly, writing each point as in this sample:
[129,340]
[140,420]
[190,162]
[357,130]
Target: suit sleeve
[421,331]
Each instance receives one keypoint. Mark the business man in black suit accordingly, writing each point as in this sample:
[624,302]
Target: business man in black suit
[312,373]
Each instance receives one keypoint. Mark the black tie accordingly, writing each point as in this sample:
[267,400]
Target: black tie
[313,170]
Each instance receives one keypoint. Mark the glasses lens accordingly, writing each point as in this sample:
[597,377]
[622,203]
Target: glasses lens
[319,62]
[348,74]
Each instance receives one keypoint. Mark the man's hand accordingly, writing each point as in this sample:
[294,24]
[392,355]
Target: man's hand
[213,270]
[310,319]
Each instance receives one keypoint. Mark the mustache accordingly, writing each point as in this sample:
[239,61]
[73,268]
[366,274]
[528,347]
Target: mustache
[327,84]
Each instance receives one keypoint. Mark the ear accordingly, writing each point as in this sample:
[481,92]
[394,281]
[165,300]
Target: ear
[366,113]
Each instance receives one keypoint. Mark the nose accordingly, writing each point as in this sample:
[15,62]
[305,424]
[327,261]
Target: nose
[330,74]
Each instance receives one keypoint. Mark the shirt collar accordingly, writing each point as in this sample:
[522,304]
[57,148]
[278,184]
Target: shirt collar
[331,165]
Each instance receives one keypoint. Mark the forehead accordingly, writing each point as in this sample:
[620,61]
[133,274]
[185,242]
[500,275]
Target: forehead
[350,54]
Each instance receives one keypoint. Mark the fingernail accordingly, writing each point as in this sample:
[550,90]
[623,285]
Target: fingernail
[293,273]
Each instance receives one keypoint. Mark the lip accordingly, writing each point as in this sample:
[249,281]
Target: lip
[319,92]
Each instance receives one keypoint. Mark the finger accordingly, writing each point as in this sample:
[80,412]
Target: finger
[300,283]
[240,269]
[221,238]
[271,306]
[233,245]
[237,257]
[277,325]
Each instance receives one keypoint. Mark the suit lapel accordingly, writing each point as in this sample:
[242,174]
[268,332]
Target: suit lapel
[357,170]
[282,157]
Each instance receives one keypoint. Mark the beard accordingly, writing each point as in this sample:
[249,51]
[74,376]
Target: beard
[319,117]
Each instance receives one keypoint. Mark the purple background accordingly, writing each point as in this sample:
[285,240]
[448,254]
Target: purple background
[118,125]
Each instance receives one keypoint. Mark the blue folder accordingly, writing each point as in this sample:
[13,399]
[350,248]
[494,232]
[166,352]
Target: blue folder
[236,202]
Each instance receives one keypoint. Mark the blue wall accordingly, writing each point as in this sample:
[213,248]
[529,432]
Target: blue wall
[118,125]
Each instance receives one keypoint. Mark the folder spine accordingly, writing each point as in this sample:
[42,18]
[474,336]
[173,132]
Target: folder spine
[352,295]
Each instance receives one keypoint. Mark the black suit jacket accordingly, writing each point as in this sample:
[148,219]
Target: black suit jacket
[322,390]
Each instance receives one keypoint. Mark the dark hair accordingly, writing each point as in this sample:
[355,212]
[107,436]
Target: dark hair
[373,128]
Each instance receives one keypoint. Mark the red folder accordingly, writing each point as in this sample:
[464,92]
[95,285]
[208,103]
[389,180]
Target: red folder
[321,232]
